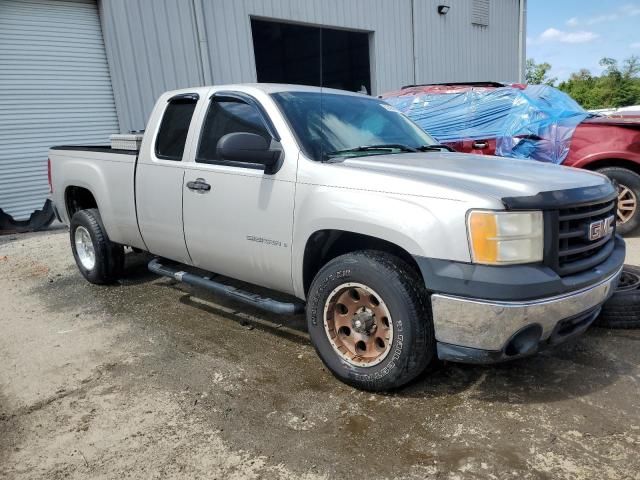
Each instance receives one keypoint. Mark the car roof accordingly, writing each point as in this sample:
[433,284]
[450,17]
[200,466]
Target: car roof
[458,84]
[450,87]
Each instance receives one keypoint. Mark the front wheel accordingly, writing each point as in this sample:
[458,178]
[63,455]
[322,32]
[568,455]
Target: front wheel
[628,212]
[99,260]
[369,319]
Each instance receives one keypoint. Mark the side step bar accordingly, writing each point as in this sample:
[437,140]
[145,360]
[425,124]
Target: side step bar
[268,304]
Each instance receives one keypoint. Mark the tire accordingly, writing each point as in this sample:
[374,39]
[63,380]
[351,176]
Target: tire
[408,332]
[629,186]
[622,310]
[39,220]
[108,263]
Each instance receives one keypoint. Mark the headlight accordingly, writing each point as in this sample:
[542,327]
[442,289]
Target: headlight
[502,238]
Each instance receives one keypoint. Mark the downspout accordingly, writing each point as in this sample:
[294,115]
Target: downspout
[112,60]
[203,45]
[413,42]
[522,39]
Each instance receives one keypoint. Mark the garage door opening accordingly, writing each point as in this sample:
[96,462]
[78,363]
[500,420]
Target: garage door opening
[328,57]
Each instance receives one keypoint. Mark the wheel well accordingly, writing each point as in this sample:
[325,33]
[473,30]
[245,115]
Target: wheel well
[78,198]
[614,162]
[325,245]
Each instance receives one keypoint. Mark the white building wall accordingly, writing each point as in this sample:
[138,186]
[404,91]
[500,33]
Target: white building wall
[450,48]
[228,29]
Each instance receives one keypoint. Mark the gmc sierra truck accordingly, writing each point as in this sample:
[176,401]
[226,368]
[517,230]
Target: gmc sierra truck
[399,250]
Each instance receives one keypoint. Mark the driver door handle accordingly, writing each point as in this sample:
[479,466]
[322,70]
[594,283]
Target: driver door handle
[480,144]
[199,185]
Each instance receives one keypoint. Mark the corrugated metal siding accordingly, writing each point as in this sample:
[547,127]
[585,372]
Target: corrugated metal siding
[55,88]
[228,29]
[152,47]
[142,70]
[450,48]
[159,45]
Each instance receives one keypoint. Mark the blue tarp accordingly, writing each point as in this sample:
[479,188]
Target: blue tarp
[536,122]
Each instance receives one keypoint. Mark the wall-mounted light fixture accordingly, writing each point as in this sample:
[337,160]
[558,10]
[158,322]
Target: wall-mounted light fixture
[443,9]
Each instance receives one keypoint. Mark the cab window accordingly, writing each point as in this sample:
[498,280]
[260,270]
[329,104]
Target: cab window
[174,127]
[228,115]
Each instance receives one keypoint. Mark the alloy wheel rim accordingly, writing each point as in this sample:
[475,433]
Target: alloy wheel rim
[358,324]
[84,248]
[627,204]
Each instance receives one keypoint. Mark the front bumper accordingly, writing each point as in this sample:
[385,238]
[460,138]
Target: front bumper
[487,314]
[476,331]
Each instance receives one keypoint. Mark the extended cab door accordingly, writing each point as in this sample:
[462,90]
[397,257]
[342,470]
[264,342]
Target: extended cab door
[160,175]
[237,219]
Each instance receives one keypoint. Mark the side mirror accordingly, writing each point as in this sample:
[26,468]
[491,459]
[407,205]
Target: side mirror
[250,148]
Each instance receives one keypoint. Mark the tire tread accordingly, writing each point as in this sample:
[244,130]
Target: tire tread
[109,255]
[622,310]
[632,180]
[422,347]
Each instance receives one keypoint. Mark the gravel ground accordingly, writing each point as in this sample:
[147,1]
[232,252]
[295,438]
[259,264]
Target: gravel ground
[148,379]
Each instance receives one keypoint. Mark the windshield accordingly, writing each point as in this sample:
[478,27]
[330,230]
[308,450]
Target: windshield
[330,125]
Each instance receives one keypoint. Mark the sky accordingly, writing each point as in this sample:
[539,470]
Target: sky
[575,34]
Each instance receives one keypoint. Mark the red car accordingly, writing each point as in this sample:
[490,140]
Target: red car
[606,144]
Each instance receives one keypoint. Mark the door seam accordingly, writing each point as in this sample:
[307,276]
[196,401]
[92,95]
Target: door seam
[184,234]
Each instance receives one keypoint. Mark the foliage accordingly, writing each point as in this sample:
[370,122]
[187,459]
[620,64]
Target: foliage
[617,86]
[536,73]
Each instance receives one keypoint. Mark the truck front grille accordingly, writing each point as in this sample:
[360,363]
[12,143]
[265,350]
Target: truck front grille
[575,251]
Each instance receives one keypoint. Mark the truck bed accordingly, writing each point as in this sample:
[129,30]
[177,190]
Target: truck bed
[109,174]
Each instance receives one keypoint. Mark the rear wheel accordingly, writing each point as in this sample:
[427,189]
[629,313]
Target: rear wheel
[369,319]
[628,212]
[99,260]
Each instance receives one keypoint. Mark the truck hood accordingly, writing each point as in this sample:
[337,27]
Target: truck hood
[451,175]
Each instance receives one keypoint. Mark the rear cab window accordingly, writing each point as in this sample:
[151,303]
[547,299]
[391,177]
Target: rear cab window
[172,134]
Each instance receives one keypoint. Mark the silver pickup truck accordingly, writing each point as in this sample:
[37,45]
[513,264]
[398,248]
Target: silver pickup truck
[399,250]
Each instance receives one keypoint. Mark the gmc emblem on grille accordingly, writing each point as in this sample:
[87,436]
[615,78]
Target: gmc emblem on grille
[601,228]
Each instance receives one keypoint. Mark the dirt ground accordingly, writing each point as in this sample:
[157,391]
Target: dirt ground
[149,379]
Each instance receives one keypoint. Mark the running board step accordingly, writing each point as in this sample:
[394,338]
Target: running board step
[264,303]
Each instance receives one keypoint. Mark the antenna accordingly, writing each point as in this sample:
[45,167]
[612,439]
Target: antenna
[321,96]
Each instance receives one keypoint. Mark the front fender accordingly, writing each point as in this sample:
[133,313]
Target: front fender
[421,226]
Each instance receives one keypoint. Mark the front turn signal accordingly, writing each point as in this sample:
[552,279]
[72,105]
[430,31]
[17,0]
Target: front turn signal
[503,238]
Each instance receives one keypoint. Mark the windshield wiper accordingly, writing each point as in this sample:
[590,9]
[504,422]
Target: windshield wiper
[436,147]
[381,146]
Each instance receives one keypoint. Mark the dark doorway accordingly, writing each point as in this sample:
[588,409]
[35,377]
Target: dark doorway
[328,57]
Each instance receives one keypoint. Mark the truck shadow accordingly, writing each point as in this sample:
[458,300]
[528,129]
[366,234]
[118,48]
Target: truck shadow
[575,369]
[136,272]
[586,365]
[290,327]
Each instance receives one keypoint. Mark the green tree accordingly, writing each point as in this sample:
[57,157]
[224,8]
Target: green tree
[618,83]
[581,86]
[617,86]
[536,73]
[631,67]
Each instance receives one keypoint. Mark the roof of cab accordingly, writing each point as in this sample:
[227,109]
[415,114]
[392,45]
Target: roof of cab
[264,87]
